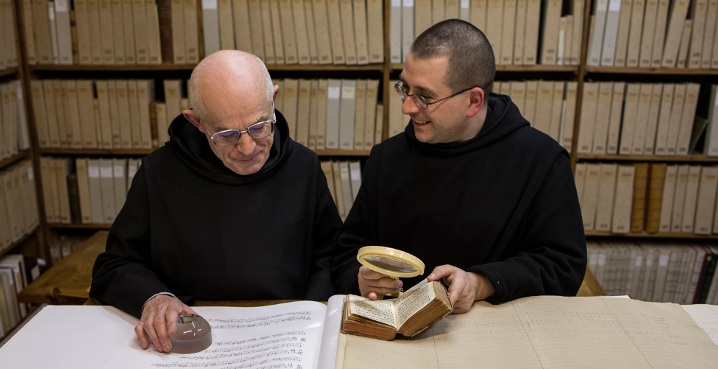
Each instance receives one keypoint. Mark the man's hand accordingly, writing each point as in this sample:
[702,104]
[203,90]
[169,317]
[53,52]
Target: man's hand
[464,287]
[159,322]
[375,285]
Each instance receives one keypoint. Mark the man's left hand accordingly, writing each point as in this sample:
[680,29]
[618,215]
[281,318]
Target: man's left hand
[464,287]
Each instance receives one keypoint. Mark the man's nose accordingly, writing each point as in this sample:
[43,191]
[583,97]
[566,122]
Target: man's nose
[245,144]
[408,106]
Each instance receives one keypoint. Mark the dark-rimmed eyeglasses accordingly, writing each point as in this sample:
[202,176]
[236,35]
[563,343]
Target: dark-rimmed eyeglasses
[231,136]
[419,100]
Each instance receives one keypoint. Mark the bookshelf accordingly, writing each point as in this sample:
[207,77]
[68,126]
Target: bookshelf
[19,211]
[665,253]
[525,65]
[20,234]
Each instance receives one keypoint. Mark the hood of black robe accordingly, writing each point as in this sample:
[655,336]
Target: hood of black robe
[502,119]
[192,145]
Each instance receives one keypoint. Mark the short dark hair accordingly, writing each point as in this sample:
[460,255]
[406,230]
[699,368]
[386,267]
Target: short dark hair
[471,58]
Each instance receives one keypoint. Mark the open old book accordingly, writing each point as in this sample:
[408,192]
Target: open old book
[410,314]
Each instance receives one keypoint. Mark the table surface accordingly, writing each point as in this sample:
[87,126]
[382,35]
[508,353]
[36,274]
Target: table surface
[68,281]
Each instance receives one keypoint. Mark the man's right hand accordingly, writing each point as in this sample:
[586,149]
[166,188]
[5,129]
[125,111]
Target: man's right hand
[375,285]
[159,322]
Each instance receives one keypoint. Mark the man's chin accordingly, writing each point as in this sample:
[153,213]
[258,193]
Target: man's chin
[245,171]
[246,168]
[422,134]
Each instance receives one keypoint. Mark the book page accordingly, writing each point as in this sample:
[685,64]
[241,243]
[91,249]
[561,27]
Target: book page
[282,335]
[411,301]
[381,311]
[327,353]
[417,286]
[545,332]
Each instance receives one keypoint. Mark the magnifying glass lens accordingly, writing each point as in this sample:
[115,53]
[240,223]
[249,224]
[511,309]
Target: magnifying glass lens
[391,264]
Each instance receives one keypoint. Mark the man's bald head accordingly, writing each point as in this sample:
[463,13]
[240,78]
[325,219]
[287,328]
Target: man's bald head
[228,74]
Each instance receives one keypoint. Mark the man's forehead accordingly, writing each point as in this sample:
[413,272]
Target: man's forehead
[422,82]
[238,118]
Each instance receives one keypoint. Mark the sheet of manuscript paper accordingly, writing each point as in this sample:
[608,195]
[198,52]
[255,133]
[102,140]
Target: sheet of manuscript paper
[283,335]
[545,332]
[706,316]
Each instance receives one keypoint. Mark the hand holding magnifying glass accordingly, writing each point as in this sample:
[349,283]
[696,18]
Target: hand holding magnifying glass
[390,262]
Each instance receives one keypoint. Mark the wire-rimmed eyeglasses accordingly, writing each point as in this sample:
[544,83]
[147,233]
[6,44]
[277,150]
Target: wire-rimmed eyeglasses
[231,136]
[419,100]
[255,130]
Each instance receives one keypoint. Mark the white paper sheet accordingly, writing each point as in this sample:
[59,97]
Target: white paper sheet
[242,337]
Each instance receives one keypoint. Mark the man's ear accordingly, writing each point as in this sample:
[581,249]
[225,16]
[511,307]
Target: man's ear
[478,100]
[190,115]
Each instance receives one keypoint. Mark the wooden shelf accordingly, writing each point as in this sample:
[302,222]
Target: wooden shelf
[325,67]
[676,235]
[20,241]
[187,67]
[518,68]
[79,226]
[105,67]
[93,152]
[21,155]
[342,152]
[700,158]
[8,72]
[653,71]
[143,152]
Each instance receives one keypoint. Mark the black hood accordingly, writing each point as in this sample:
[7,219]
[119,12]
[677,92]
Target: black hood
[502,119]
[192,146]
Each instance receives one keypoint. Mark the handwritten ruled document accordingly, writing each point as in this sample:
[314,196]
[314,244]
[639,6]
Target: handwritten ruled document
[546,332]
[706,316]
[285,335]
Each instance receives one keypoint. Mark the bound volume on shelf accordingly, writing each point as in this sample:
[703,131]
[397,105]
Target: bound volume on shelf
[408,315]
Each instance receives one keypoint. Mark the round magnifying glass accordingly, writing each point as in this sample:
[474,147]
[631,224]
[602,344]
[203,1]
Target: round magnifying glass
[194,334]
[391,262]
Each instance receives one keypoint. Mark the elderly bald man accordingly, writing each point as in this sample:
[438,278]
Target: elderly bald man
[230,208]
